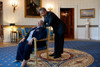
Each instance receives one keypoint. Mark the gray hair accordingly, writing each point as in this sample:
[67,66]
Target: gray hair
[42,23]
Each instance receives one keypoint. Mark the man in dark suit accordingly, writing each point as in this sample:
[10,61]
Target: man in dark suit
[27,44]
[50,19]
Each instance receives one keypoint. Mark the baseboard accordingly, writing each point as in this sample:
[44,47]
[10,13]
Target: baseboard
[6,40]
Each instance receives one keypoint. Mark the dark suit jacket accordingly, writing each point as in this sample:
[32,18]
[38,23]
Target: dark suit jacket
[52,20]
[39,33]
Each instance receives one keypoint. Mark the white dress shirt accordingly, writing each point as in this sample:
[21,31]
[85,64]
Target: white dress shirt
[30,35]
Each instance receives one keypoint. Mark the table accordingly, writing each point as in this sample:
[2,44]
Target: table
[13,36]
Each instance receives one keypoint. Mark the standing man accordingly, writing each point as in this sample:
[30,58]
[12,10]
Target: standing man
[50,19]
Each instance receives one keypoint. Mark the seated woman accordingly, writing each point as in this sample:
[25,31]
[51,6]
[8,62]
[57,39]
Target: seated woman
[26,45]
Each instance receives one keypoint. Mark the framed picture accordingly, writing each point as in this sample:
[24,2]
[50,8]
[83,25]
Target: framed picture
[32,8]
[87,13]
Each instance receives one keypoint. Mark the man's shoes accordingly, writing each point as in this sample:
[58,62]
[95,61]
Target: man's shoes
[16,61]
[52,54]
[57,56]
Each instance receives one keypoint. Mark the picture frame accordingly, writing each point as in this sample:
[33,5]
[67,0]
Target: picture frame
[31,8]
[87,13]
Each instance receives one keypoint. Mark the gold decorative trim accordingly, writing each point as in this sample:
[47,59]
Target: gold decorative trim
[94,26]
[89,26]
[87,12]
[20,25]
[80,25]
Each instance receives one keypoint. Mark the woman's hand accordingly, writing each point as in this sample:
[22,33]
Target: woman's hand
[22,40]
[30,42]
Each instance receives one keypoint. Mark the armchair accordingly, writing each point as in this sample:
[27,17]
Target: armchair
[27,29]
[51,34]
[43,49]
[19,34]
[23,31]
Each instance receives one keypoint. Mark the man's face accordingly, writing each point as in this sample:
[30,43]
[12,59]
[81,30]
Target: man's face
[43,13]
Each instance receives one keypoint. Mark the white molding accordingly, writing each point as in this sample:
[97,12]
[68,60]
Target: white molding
[99,23]
[6,40]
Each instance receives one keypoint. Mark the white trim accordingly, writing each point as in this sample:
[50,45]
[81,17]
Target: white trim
[75,17]
[6,40]
[99,23]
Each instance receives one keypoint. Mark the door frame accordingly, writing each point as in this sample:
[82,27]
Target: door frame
[99,24]
[75,17]
[2,19]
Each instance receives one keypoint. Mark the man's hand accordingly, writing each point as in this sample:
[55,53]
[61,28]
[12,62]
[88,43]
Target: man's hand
[30,42]
[22,40]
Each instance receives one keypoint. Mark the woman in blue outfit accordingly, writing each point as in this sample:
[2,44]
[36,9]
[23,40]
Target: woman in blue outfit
[26,45]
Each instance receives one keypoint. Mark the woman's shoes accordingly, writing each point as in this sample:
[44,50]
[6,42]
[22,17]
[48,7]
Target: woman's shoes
[24,63]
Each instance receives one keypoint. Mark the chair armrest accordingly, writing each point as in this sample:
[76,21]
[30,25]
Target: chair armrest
[43,39]
[25,33]
[35,42]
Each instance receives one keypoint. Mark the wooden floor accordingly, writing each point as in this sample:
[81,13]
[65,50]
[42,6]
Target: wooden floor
[5,44]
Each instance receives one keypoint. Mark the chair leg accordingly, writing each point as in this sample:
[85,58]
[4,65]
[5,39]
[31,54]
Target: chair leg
[47,56]
[35,50]
[35,58]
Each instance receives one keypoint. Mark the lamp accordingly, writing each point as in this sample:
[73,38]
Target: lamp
[50,7]
[64,14]
[12,24]
[14,5]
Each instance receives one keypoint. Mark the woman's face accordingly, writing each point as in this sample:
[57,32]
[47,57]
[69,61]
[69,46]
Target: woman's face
[39,23]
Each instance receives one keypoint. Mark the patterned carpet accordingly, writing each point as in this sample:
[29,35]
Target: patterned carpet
[76,54]
[70,58]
